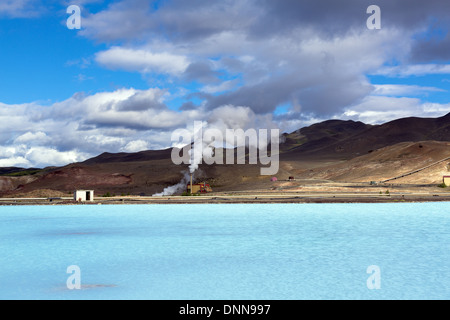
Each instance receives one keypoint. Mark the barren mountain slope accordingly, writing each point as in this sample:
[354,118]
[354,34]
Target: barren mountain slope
[390,162]
[333,150]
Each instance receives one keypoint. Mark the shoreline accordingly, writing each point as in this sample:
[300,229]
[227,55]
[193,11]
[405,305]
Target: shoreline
[240,198]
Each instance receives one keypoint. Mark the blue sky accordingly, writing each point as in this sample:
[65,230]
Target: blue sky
[50,63]
[137,70]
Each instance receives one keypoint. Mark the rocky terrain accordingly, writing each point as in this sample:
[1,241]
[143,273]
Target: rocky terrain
[332,151]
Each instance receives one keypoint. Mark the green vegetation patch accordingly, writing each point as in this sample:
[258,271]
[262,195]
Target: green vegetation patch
[108,195]
[23,173]
[188,194]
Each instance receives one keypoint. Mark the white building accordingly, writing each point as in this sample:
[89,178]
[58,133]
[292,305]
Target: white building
[83,195]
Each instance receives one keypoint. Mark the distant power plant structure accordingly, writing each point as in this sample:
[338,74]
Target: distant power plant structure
[198,188]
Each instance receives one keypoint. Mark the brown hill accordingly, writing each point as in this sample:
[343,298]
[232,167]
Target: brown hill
[333,150]
[358,139]
[390,162]
[312,139]
[142,156]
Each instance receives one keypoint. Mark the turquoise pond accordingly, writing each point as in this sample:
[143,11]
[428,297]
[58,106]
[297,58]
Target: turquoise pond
[226,251]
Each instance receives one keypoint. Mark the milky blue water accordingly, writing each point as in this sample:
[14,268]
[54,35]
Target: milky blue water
[229,251]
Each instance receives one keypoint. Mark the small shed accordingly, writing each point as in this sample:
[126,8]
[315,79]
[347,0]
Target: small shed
[83,195]
[274,179]
[446,180]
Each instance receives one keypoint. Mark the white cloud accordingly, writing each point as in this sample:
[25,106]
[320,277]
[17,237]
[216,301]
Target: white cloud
[403,90]
[25,155]
[224,86]
[130,120]
[135,146]
[15,162]
[83,126]
[436,109]
[44,156]
[20,8]
[414,70]
[123,108]
[142,61]
[233,117]
[316,53]
[33,137]
[79,2]
[380,109]
[325,74]
[7,152]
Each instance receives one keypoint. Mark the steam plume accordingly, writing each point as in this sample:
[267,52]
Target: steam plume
[176,188]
